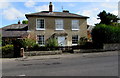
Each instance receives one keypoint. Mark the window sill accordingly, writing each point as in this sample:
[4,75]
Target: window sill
[75,29]
[59,29]
[40,29]
[74,44]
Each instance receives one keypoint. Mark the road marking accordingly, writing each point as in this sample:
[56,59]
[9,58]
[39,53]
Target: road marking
[22,75]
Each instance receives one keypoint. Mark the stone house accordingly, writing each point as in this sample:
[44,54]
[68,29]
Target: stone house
[13,32]
[66,27]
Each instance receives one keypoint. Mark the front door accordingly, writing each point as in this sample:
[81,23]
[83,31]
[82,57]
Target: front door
[61,41]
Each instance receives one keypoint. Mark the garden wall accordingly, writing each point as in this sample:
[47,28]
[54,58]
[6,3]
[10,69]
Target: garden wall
[106,47]
[111,46]
[9,55]
[38,53]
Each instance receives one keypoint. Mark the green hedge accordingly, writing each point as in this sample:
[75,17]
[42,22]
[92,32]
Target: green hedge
[8,49]
[24,43]
[106,34]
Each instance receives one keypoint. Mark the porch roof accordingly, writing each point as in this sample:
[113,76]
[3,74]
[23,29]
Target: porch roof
[60,34]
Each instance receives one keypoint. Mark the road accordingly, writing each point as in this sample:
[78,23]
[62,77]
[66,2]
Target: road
[72,66]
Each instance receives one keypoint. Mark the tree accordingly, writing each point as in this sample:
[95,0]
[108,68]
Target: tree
[107,18]
[25,22]
[0,39]
[106,34]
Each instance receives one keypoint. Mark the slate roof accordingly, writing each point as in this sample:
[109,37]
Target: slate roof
[17,34]
[15,26]
[15,30]
[55,14]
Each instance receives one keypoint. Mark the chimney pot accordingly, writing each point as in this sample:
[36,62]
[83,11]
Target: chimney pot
[19,22]
[65,11]
[50,7]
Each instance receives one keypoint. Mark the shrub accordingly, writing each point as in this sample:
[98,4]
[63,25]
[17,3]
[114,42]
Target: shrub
[106,34]
[82,41]
[51,43]
[35,47]
[7,49]
[6,41]
[28,43]
[25,43]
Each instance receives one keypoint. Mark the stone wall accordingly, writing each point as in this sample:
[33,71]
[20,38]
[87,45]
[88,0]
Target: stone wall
[111,46]
[106,47]
[38,53]
[9,55]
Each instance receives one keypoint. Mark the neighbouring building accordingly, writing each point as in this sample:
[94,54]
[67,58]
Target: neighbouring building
[14,31]
[66,27]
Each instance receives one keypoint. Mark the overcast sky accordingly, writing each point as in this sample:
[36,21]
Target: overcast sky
[13,11]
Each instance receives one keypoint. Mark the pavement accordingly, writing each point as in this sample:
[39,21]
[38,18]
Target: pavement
[64,55]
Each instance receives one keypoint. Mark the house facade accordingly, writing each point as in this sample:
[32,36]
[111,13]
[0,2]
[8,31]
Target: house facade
[66,27]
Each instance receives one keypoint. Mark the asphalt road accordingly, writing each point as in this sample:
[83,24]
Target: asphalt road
[74,66]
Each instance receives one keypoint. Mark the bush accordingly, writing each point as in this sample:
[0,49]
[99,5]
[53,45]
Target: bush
[6,41]
[37,47]
[82,41]
[25,43]
[28,43]
[51,43]
[106,34]
[8,49]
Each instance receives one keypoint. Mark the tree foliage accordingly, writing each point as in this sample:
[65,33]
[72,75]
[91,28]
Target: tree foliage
[25,22]
[107,18]
[106,34]
[7,49]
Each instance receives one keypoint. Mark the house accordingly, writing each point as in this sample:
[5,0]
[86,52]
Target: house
[14,31]
[66,27]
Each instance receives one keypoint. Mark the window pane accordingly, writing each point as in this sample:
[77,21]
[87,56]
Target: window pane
[75,24]
[74,39]
[40,23]
[40,39]
[59,24]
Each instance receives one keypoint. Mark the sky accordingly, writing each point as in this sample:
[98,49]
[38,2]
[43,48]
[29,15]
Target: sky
[12,11]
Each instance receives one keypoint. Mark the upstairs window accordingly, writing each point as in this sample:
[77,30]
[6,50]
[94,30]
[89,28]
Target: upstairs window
[74,39]
[40,24]
[75,24]
[59,24]
[40,39]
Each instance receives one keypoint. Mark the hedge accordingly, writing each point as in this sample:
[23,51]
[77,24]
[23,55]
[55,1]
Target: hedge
[8,49]
[106,34]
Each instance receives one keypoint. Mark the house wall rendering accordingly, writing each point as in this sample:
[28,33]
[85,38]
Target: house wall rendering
[50,28]
[66,27]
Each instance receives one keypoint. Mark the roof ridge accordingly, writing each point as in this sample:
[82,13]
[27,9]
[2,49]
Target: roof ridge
[56,14]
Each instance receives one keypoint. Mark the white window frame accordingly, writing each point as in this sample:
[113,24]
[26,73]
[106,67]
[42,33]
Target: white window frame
[43,40]
[37,24]
[72,40]
[75,24]
[59,24]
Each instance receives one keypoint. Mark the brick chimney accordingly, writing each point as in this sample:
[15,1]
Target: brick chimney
[50,7]
[65,11]
[19,22]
